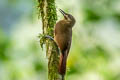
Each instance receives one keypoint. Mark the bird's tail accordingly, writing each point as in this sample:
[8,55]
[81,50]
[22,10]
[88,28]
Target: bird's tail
[62,65]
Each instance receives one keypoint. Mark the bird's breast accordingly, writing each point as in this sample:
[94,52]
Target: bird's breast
[63,38]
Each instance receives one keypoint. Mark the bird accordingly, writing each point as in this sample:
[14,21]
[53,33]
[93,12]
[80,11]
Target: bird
[63,38]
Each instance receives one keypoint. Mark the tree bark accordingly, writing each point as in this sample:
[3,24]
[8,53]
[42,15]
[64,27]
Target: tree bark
[49,17]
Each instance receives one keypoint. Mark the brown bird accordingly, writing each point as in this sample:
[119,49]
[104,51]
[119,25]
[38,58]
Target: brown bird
[63,38]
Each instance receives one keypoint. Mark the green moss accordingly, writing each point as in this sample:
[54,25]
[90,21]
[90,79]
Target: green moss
[49,20]
[51,16]
[40,7]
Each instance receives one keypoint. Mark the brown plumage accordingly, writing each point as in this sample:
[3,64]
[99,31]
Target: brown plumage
[63,38]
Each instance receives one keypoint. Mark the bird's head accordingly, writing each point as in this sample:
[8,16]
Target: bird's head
[68,17]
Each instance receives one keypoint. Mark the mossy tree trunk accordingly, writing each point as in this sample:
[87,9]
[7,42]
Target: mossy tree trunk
[49,17]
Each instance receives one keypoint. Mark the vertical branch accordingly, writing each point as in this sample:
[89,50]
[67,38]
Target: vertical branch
[49,17]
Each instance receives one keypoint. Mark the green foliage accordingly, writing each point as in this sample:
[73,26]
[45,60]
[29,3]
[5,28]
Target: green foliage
[91,15]
[117,16]
[4,45]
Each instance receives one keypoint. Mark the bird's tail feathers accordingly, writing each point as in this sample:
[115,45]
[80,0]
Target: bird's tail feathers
[62,64]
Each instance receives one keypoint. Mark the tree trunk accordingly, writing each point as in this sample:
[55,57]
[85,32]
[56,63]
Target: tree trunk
[49,17]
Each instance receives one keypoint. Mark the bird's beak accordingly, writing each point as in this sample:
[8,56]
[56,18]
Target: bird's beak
[62,12]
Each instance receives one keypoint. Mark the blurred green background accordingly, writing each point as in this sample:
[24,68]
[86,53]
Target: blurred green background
[95,51]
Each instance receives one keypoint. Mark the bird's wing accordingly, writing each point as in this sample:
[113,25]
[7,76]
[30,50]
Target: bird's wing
[68,46]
